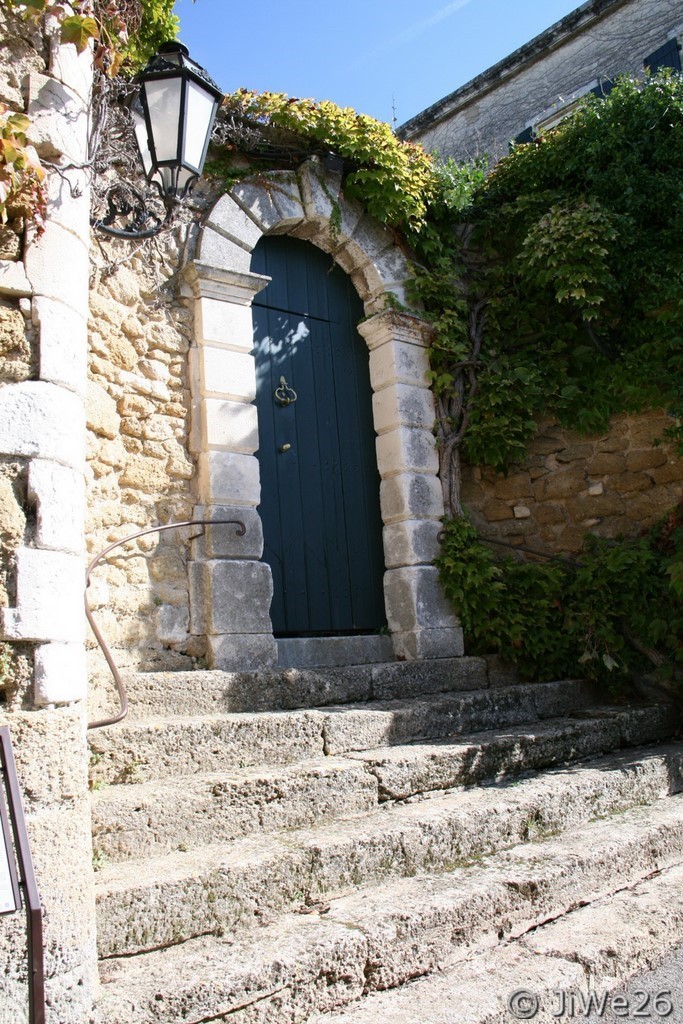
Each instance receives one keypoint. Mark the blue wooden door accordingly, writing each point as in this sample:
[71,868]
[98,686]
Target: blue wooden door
[319,481]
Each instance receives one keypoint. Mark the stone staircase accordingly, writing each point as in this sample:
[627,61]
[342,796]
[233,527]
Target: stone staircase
[387,842]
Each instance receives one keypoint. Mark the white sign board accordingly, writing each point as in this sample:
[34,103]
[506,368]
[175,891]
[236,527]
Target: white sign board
[7,902]
[9,893]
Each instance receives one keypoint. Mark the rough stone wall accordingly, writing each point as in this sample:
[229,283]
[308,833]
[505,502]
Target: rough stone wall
[618,483]
[23,50]
[139,472]
[43,303]
[483,116]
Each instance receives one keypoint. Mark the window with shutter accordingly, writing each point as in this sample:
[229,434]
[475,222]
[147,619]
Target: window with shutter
[603,88]
[667,56]
[526,136]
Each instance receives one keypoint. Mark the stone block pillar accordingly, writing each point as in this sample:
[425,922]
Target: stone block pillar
[42,433]
[230,588]
[421,622]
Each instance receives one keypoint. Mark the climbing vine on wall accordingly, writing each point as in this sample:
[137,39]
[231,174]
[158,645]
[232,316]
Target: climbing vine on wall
[22,196]
[571,281]
[615,613]
[572,295]
[396,181]
[123,34]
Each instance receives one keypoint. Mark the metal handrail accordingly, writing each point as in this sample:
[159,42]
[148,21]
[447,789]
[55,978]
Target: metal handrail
[530,551]
[123,697]
[441,536]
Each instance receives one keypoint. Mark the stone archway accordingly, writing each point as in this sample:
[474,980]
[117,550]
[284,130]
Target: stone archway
[230,587]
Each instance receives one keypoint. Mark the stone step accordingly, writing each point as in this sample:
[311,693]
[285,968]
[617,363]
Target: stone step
[227,890]
[160,816]
[404,771]
[322,961]
[180,745]
[214,692]
[167,814]
[572,964]
[133,752]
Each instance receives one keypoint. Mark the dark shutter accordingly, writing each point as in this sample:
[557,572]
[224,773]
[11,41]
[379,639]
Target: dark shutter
[667,56]
[526,136]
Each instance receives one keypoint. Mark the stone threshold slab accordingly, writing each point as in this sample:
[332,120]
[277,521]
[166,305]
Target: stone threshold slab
[314,652]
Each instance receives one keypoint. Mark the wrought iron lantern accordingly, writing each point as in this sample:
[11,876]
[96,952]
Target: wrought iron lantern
[173,113]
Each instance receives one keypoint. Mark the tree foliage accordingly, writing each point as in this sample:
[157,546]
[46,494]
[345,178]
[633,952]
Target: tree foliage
[574,261]
[157,24]
[123,33]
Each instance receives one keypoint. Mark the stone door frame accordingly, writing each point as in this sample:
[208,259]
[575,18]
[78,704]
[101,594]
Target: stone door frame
[230,588]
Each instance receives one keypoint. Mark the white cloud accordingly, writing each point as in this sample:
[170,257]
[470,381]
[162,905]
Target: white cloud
[416,29]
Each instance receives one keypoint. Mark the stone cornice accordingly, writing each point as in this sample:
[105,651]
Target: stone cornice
[394,325]
[227,285]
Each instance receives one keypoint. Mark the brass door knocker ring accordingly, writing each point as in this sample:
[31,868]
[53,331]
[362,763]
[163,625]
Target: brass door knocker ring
[284,393]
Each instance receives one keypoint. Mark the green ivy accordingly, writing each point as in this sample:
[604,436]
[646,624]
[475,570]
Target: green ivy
[396,181]
[583,267]
[555,284]
[124,33]
[616,613]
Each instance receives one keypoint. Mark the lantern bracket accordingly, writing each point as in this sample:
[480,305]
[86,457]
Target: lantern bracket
[127,203]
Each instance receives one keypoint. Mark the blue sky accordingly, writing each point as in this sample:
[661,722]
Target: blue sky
[372,55]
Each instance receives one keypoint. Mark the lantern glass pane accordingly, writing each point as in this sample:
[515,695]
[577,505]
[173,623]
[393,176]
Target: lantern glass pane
[184,176]
[199,112]
[163,101]
[173,179]
[166,178]
[141,138]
